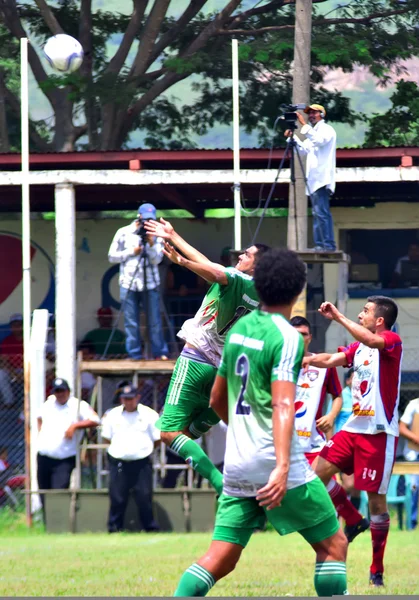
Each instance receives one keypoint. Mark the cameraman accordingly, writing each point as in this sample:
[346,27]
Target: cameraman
[139,252]
[320,148]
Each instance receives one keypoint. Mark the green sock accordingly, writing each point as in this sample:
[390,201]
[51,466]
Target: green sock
[199,461]
[330,579]
[196,581]
[203,422]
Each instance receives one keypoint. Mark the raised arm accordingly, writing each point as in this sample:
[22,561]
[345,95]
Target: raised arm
[209,271]
[360,333]
[325,361]
[165,230]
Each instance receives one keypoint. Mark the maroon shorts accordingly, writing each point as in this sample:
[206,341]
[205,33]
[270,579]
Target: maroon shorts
[369,457]
[310,456]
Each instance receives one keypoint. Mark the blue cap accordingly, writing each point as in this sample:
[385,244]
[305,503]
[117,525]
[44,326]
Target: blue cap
[60,384]
[147,211]
[128,391]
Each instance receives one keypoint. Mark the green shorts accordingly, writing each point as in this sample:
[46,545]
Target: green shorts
[188,395]
[306,509]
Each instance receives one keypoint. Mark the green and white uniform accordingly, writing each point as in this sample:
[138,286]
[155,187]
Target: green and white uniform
[195,370]
[262,348]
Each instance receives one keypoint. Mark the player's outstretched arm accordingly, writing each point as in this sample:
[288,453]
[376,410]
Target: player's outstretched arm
[283,413]
[211,272]
[360,333]
[219,398]
[165,230]
[324,360]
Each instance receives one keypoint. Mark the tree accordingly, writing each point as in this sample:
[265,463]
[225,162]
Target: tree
[108,99]
[399,126]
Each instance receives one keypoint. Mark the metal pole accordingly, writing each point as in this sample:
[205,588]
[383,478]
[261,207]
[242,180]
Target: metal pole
[26,261]
[236,147]
[297,212]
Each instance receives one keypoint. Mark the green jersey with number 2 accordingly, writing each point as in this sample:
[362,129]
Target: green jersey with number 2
[222,306]
[260,348]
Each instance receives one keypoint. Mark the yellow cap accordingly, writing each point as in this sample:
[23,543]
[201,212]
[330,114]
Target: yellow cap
[318,107]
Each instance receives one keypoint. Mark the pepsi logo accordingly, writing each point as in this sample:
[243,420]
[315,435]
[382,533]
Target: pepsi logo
[300,409]
[11,288]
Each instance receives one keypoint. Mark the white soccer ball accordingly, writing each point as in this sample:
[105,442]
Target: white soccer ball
[64,53]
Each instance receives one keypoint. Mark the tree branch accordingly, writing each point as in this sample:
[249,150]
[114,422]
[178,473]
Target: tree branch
[49,17]
[4,134]
[318,23]
[149,35]
[117,61]
[86,69]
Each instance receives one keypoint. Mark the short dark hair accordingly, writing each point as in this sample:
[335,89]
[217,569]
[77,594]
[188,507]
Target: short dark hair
[385,307]
[280,276]
[300,322]
[262,248]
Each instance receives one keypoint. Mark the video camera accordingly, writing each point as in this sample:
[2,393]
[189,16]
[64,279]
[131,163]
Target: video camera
[290,114]
[142,232]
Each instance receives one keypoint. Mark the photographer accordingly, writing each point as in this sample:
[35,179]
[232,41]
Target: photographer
[320,148]
[139,253]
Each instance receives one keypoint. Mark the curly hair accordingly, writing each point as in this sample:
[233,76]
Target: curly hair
[280,276]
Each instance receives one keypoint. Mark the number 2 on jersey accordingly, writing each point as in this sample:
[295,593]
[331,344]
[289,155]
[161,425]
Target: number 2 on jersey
[242,369]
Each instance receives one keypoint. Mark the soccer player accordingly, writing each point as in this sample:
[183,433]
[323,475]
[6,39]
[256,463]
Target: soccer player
[366,445]
[187,414]
[265,471]
[313,385]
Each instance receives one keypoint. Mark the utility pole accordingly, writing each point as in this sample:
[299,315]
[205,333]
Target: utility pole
[297,200]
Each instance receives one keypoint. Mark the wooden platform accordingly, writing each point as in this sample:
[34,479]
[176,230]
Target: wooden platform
[406,468]
[324,257]
[126,367]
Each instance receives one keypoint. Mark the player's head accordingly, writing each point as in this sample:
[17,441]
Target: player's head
[280,277]
[303,326]
[315,112]
[249,257]
[378,314]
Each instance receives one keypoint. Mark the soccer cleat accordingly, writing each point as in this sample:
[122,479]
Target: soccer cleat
[376,579]
[351,531]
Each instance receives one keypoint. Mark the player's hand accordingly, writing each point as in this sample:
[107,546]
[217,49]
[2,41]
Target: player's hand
[325,423]
[306,362]
[173,254]
[273,492]
[70,432]
[300,119]
[161,229]
[329,310]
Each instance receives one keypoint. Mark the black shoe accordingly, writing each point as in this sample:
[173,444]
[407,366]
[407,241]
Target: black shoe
[376,579]
[351,531]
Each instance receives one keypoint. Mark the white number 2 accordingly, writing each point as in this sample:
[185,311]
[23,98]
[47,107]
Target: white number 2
[371,473]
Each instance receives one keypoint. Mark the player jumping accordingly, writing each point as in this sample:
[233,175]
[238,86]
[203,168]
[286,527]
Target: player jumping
[187,414]
[366,445]
[265,471]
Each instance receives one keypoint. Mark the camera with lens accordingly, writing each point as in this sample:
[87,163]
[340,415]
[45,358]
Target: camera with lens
[142,232]
[290,114]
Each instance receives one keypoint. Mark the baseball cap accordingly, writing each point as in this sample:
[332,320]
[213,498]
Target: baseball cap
[147,211]
[128,391]
[60,384]
[318,107]
[104,311]
[15,317]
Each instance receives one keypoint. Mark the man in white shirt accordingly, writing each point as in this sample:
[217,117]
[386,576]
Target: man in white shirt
[320,148]
[131,431]
[405,427]
[139,253]
[61,420]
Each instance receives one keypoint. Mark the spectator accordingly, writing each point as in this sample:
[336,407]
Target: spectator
[59,420]
[412,256]
[11,353]
[99,337]
[88,380]
[131,431]
[405,425]
[320,148]
[346,409]
[139,252]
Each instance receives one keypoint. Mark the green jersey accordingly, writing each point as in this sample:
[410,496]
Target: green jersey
[261,348]
[222,306]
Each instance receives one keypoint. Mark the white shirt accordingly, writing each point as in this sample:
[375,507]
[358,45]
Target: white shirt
[132,434]
[320,148]
[401,260]
[409,413]
[122,251]
[56,419]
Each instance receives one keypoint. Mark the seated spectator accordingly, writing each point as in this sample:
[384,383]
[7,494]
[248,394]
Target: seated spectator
[88,380]
[411,454]
[11,362]
[412,256]
[99,337]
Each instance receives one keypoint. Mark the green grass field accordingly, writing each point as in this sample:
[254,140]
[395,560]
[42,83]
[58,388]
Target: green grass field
[40,564]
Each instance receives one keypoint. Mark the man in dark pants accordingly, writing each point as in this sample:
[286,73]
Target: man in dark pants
[60,420]
[130,429]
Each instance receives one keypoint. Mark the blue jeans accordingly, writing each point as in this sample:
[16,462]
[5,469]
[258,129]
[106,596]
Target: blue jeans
[414,479]
[150,301]
[322,219]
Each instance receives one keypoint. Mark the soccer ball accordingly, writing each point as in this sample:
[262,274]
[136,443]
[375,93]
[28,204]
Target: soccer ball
[64,53]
